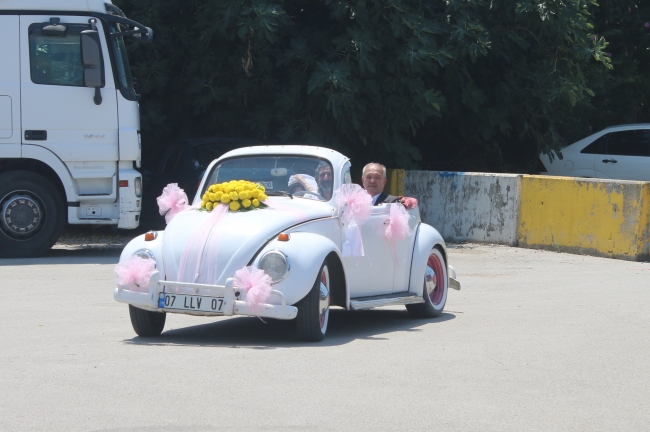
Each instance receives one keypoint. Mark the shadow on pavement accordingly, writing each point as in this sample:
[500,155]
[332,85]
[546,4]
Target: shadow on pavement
[100,255]
[250,332]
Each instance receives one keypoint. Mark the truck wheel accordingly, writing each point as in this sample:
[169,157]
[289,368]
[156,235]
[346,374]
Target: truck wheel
[32,214]
[435,288]
[314,309]
[146,323]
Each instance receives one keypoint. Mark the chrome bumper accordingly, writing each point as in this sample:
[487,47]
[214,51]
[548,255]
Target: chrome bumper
[231,306]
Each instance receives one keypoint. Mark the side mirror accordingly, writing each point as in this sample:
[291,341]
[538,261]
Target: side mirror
[91,58]
[93,78]
[144,38]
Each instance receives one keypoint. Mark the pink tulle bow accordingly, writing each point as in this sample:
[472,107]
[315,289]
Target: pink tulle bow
[409,203]
[359,203]
[398,224]
[172,201]
[135,273]
[256,283]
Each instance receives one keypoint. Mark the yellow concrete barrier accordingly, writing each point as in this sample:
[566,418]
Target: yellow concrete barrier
[587,216]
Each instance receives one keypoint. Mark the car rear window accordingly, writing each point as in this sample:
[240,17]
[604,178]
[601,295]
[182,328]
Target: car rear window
[597,147]
[623,143]
[205,154]
[169,166]
[629,143]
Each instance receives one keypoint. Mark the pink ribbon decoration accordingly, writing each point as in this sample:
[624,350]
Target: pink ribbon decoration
[201,251]
[135,273]
[409,203]
[358,202]
[397,227]
[256,283]
[172,201]
[204,238]
[358,206]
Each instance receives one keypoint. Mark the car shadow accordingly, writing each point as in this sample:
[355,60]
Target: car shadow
[90,255]
[250,332]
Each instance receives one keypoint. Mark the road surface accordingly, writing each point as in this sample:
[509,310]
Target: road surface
[535,340]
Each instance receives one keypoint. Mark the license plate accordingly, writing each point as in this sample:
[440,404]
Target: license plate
[190,302]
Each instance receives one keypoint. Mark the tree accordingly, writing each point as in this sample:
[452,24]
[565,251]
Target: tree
[468,84]
[622,94]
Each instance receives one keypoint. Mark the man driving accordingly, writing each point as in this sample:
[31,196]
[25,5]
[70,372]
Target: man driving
[324,180]
[374,179]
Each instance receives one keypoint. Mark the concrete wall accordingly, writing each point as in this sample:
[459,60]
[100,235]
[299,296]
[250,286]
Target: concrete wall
[475,207]
[609,218]
[587,216]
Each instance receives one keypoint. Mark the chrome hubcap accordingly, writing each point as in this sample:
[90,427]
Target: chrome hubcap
[430,280]
[21,215]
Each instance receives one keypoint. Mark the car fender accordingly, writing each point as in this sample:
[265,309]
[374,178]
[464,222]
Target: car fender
[155,246]
[305,253]
[427,238]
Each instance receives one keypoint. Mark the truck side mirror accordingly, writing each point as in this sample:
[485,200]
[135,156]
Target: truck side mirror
[144,37]
[91,58]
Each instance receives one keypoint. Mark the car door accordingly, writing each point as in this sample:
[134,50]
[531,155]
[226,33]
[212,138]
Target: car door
[403,253]
[58,111]
[628,155]
[371,274]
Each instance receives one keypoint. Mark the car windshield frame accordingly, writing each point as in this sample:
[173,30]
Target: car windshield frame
[282,186]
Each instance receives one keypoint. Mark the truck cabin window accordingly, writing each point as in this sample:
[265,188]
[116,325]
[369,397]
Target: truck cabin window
[56,60]
[122,63]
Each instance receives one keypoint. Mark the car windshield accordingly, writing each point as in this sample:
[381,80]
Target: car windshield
[300,176]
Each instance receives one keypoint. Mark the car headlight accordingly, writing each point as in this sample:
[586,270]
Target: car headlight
[275,264]
[145,254]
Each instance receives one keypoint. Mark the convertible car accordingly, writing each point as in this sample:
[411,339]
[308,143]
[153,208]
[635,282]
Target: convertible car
[311,249]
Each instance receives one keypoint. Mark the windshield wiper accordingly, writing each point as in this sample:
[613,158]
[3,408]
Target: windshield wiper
[279,193]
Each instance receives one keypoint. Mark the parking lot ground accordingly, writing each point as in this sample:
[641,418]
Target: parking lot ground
[535,340]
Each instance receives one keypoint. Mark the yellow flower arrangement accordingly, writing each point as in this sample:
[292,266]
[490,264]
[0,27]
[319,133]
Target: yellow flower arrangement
[240,195]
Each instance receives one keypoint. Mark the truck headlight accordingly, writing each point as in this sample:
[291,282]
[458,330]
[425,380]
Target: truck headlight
[145,254]
[275,264]
[137,184]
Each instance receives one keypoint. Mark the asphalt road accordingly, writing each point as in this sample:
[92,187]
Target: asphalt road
[534,341]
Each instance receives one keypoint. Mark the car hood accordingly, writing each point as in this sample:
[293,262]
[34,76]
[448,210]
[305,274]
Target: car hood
[230,244]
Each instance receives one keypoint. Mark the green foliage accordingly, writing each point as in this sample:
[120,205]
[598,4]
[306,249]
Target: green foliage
[622,95]
[456,84]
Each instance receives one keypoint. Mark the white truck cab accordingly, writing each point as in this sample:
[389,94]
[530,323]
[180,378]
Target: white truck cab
[69,121]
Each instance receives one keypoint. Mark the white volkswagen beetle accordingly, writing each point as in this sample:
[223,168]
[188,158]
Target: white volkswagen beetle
[297,240]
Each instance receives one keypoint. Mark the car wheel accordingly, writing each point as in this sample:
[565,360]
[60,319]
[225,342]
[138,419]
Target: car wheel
[314,309]
[436,285]
[146,323]
[31,215]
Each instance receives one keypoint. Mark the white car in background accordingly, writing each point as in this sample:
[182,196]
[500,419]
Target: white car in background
[617,152]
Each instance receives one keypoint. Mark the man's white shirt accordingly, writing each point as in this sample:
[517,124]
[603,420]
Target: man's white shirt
[374,199]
